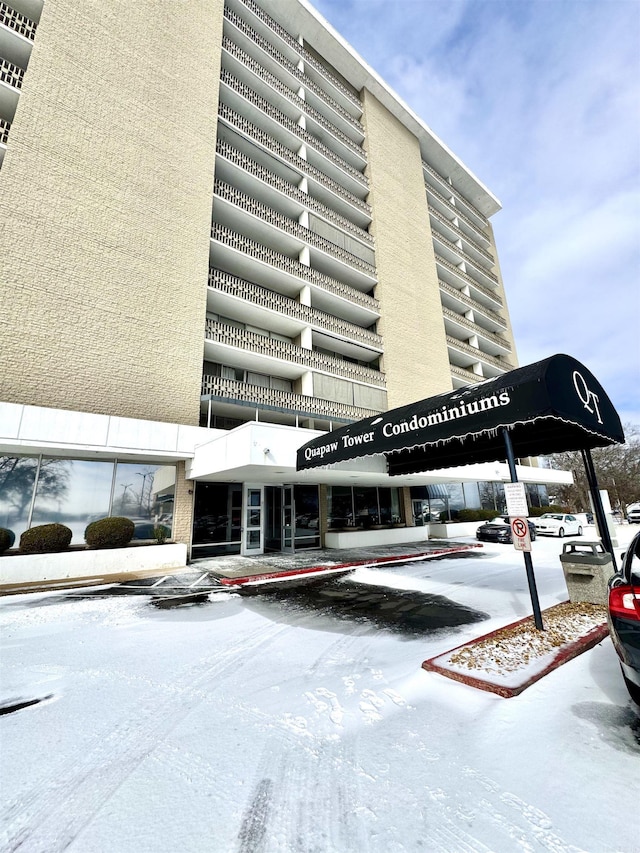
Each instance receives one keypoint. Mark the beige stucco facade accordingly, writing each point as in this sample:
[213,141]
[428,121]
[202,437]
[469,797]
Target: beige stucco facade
[415,362]
[105,209]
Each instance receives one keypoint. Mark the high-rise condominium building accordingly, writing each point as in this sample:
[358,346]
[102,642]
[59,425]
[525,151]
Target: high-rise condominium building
[221,231]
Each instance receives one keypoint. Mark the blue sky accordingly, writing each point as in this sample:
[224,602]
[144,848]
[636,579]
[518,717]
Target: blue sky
[541,100]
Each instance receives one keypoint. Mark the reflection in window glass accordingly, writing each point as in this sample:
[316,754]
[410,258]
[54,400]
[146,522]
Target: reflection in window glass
[339,506]
[145,494]
[307,524]
[366,506]
[72,492]
[17,476]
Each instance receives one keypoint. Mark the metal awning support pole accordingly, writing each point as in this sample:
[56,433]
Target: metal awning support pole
[533,590]
[592,479]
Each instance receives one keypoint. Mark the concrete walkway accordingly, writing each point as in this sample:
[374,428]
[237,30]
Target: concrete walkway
[236,569]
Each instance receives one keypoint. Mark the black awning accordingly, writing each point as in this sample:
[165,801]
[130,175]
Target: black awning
[550,406]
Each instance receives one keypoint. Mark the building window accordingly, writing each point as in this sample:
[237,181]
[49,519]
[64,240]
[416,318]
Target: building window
[363,507]
[17,479]
[75,492]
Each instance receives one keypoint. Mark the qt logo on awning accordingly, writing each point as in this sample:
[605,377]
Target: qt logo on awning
[588,399]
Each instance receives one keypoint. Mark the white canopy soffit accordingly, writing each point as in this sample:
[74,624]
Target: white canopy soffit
[550,406]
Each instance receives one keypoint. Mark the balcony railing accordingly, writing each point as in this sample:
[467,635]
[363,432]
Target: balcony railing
[17,22]
[455,192]
[469,375]
[476,306]
[290,226]
[224,149]
[5,126]
[478,354]
[283,120]
[293,267]
[463,275]
[11,74]
[309,359]
[304,54]
[449,224]
[456,210]
[291,96]
[229,391]
[303,166]
[476,329]
[463,256]
[292,69]
[254,293]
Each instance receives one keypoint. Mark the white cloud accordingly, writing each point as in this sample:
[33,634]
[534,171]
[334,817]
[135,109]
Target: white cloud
[541,100]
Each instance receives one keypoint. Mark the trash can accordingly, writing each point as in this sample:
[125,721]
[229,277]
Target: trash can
[587,568]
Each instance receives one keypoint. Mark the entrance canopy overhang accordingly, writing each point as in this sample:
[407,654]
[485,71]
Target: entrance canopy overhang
[553,405]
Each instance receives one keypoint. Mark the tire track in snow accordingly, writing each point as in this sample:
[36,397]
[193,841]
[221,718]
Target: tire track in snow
[54,811]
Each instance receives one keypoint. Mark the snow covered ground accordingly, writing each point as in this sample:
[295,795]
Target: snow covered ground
[248,725]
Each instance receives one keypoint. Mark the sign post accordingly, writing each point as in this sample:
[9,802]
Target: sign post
[515,502]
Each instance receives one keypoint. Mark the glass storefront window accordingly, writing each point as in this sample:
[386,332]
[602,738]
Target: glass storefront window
[72,492]
[145,494]
[363,507]
[217,519]
[17,479]
[365,500]
[340,506]
[75,492]
[307,526]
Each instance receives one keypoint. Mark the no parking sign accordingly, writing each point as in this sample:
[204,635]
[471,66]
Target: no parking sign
[520,534]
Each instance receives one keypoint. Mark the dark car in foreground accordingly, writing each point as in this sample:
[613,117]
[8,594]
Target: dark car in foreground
[624,617]
[499,530]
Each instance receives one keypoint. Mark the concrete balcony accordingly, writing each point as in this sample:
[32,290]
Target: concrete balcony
[258,221]
[253,351]
[454,254]
[460,302]
[265,308]
[462,377]
[256,45]
[438,202]
[247,101]
[249,71]
[245,258]
[464,355]
[17,22]
[291,47]
[10,74]
[458,326]
[232,399]
[453,275]
[467,207]
[452,232]
[237,168]
[324,187]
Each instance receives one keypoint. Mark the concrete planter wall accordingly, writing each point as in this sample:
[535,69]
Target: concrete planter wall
[100,566]
[450,530]
[369,538]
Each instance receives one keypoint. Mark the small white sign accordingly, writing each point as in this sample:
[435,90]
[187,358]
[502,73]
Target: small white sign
[520,534]
[516,499]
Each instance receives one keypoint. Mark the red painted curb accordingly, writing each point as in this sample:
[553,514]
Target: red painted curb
[583,644]
[352,565]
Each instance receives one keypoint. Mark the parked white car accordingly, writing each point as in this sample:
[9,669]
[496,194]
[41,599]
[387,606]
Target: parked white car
[558,524]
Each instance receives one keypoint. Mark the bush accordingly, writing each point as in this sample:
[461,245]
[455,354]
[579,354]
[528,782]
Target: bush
[475,514]
[45,539]
[7,538]
[161,533]
[112,532]
[535,511]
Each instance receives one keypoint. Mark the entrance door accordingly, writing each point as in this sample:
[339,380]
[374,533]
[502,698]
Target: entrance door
[252,537]
[288,518]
